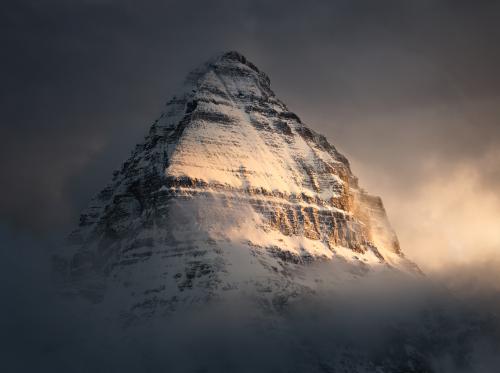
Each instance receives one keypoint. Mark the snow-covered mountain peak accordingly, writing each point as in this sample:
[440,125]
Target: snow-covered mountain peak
[229,63]
[230,191]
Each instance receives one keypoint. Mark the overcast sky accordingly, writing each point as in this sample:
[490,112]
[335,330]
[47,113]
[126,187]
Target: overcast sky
[408,90]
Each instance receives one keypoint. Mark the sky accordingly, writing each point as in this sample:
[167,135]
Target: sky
[409,91]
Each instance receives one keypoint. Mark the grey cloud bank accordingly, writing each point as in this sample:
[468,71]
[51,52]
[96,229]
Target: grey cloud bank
[391,85]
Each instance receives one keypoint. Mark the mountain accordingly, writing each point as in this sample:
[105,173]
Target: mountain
[237,239]
[230,192]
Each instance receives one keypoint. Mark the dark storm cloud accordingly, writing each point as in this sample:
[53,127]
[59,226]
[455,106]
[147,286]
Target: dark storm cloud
[82,81]
[409,90]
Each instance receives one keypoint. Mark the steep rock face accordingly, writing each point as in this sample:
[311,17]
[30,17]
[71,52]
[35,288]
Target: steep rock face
[230,191]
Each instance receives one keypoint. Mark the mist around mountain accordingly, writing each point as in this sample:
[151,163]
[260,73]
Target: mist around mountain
[235,239]
[375,319]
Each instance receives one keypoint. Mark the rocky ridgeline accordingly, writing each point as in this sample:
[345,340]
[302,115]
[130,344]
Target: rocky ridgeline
[230,191]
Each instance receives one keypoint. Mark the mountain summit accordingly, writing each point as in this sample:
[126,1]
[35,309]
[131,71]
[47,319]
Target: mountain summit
[230,191]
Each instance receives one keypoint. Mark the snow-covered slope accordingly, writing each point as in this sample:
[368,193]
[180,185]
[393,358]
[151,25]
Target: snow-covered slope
[229,192]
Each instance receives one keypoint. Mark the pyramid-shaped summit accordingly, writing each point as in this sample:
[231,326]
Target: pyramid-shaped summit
[229,190]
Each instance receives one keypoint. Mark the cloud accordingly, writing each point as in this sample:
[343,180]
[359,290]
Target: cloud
[450,216]
[375,321]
